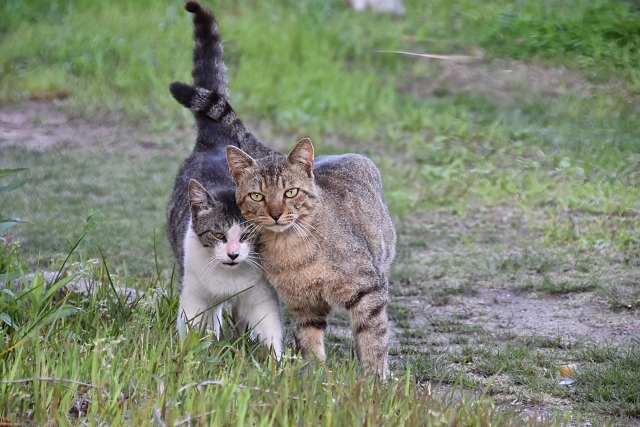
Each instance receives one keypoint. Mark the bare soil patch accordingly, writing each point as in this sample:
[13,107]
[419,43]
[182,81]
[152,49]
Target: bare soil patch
[461,269]
[501,80]
[45,126]
[569,317]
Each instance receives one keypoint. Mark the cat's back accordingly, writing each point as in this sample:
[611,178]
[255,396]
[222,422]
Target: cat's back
[347,174]
[354,206]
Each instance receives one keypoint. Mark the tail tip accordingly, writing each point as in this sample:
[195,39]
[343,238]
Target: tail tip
[192,7]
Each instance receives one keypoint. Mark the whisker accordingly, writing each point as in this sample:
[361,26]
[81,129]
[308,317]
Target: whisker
[246,221]
[211,264]
[254,255]
[302,234]
[305,223]
[209,267]
[205,266]
[303,226]
[252,229]
[256,265]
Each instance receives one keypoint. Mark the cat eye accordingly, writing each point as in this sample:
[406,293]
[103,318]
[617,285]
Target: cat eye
[245,236]
[256,196]
[291,193]
[219,236]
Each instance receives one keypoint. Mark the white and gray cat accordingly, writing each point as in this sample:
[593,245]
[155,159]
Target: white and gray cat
[214,247]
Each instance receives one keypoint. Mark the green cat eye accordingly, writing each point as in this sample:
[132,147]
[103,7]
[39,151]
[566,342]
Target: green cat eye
[291,193]
[256,196]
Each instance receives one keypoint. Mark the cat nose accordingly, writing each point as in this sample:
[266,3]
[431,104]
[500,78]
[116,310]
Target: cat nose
[232,256]
[275,214]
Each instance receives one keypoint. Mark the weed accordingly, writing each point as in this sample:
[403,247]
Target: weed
[7,223]
[622,295]
[614,377]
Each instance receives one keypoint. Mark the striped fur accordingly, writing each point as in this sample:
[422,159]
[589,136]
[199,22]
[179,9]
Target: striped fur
[328,244]
[211,105]
[209,70]
[207,163]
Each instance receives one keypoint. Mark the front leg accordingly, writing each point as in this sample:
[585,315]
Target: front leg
[196,306]
[259,309]
[311,323]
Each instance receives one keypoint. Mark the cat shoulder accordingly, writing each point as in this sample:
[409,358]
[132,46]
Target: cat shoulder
[347,168]
[348,161]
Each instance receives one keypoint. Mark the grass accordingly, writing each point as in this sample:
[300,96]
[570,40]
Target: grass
[524,184]
[67,358]
[98,199]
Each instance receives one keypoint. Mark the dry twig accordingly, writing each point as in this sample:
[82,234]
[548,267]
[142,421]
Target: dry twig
[478,55]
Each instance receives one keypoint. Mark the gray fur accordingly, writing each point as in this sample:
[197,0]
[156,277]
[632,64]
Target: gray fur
[207,163]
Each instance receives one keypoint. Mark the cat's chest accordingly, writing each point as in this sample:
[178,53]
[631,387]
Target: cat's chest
[297,268]
[285,252]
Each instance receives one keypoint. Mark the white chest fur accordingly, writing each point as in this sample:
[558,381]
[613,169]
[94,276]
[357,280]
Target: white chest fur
[209,280]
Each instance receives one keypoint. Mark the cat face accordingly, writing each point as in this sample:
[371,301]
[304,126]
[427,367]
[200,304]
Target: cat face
[220,230]
[276,192]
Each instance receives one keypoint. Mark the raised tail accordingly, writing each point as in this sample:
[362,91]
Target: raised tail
[209,70]
[210,105]
[205,102]
[207,98]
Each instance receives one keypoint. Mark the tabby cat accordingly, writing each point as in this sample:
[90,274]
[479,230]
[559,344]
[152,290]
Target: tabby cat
[213,245]
[326,241]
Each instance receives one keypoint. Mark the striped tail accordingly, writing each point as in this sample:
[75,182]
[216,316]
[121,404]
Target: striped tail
[209,105]
[209,70]
[204,102]
[207,98]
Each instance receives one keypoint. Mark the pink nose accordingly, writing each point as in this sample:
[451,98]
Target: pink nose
[232,248]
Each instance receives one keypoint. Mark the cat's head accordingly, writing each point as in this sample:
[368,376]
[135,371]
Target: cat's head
[220,228]
[276,191]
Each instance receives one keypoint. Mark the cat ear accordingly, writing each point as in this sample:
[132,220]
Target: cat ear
[302,154]
[238,161]
[199,197]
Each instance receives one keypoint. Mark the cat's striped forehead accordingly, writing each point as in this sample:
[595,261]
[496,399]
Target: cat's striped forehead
[275,173]
[217,217]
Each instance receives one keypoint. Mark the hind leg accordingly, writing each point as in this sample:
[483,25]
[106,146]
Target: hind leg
[370,330]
